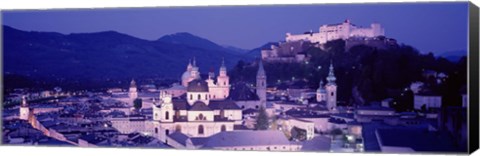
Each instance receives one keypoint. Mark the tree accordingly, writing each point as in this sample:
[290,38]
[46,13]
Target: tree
[336,132]
[137,103]
[424,108]
[261,119]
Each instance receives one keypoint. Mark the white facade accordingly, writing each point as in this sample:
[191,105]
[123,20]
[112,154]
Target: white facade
[24,109]
[337,31]
[217,91]
[306,125]
[132,91]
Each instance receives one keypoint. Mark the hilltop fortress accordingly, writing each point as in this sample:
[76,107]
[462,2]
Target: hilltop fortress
[343,31]
[294,45]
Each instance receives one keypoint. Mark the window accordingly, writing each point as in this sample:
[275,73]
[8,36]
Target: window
[206,97]
[167,132]
[331,94]
[201,117]
[224,128]
[167,115]
[198,97]
[200,129]
[191,97]
[156,130]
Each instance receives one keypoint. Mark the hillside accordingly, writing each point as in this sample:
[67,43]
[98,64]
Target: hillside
[107,55]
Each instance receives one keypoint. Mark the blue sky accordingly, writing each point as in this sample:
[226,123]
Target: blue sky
[436,27]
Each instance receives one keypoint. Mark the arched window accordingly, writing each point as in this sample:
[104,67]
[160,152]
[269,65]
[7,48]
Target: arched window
[201,117]
[156,130]
[331,94]
[167,115]
[223,128]
[191,97]
[198,97]
[200,129]
[167,132]
[178,128]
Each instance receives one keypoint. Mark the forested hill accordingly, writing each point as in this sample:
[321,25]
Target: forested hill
[106,56]
[373,73]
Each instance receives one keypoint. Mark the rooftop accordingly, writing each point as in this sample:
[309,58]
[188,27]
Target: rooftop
[247,138]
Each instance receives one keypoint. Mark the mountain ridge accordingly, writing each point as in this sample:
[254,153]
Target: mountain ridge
[106,55]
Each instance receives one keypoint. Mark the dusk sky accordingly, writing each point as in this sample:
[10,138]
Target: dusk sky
[436,27]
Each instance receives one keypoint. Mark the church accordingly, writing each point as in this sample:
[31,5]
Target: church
[218,90]
[328,93]
[204,110]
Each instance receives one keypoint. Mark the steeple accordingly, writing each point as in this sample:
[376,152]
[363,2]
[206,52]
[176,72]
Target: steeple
[24,101]
[261,71]
[331,75]
[223,62]
[194,62]
[223,69]
[189,66]
[133,84]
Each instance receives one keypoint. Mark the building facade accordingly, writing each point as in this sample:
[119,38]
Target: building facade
[343,31]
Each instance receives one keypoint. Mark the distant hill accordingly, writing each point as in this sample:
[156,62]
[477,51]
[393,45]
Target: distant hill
[235,49]
[453,56]
[108,55]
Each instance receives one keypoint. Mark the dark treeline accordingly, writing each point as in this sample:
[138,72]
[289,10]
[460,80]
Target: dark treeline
[372,74]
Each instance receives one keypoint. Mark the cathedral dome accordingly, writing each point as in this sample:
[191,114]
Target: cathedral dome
[197,85]
[186,75]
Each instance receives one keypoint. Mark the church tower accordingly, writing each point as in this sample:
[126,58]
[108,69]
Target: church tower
[262,84]
[195,74]
[24,109]
[164,111]
[223,81]
[187,74]
[321,92]
[331,89]
[132,91]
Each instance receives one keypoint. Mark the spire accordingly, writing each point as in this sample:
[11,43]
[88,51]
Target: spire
[331,75]
[194,62]
[133,84]
[223,62]
[261,71]
[24,101]
[222,67]
[189,66]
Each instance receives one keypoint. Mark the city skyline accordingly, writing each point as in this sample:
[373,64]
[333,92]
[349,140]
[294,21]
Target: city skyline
[434,34]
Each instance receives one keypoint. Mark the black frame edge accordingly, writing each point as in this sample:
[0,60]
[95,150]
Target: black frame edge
[473,86]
